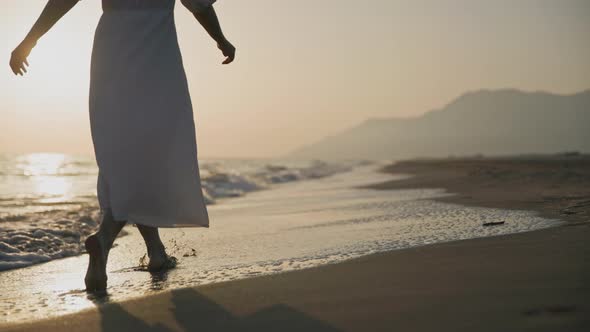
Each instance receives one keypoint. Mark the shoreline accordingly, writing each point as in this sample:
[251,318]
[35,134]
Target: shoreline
[531,280]
[451,289]
[556,187]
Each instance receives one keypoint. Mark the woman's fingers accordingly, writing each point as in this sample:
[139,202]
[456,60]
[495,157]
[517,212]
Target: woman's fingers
[14,67]
[228,60]
[230,55]
[228,50]
[18,57]
[11,64]
[18,66]
[17,70]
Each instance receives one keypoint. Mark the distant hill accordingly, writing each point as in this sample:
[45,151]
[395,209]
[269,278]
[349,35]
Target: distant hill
[487,122]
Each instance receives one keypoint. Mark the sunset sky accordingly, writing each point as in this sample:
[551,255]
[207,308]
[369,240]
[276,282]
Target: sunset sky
[305,69]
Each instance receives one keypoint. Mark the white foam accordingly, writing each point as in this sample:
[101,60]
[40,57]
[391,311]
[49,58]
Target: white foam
[40,237]
[221,181]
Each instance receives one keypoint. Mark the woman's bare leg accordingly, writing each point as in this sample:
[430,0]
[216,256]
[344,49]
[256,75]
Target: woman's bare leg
[155,247]
[98,246]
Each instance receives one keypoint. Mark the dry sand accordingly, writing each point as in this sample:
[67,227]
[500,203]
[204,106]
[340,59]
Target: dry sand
[535,281]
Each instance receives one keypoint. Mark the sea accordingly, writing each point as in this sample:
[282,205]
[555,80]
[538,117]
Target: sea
[266,217]
[48,202]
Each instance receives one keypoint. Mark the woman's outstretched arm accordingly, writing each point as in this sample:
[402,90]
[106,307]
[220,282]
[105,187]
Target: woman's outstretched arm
[205,13]
[53,11]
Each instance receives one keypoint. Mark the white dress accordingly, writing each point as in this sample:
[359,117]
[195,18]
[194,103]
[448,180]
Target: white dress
[141,117]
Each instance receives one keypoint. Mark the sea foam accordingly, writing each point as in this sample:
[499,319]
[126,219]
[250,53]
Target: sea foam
[41,237]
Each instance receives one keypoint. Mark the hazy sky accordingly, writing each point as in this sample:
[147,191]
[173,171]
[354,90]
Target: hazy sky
[305,69]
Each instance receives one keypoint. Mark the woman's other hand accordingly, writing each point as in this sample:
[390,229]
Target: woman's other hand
[228,50]
[18,59]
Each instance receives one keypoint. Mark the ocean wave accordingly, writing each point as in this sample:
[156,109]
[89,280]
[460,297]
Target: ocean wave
[219,183]
[64,173]
[40,237]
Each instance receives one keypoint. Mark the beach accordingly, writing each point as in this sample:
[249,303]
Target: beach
[556,186]
[526,282]
[533,280]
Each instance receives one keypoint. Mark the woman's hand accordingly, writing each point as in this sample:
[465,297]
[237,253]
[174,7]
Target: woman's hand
[228,50]
[18,59]
[208,19]
[53,11]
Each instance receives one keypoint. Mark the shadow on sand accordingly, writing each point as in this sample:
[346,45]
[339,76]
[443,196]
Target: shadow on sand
[195,312]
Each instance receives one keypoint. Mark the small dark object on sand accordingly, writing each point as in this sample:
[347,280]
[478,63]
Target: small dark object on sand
[495,223]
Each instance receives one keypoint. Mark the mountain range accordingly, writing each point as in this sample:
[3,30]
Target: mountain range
[498,122]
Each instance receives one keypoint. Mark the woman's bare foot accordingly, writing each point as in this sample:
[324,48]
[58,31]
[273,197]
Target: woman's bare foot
[96,275]
[161,261]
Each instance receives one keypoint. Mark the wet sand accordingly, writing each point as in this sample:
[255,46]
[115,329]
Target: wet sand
[557,187]
[536,281]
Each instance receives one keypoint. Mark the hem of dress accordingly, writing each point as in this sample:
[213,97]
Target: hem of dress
[171,226]
[177,225]
[136,10]
[141,220]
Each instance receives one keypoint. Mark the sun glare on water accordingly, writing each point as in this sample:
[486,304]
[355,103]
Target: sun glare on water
[45,170]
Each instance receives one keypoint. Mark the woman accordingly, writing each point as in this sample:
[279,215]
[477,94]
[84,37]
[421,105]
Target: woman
[141,121]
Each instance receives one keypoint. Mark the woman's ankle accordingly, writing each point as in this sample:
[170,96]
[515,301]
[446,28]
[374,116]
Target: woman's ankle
[156,250]
[109,229]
